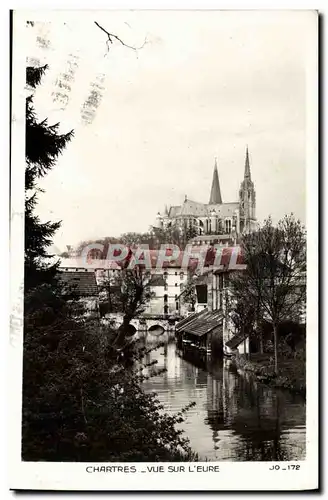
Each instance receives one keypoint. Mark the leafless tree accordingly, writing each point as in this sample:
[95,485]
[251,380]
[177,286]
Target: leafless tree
[274,281]
[111,37]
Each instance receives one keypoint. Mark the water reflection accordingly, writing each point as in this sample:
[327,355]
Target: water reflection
[235,418]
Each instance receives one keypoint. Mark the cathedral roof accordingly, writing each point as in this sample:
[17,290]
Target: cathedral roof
[195,209]
[190,207]
[174,211]
[224,210]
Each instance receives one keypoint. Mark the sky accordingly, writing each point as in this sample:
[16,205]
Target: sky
[204,85]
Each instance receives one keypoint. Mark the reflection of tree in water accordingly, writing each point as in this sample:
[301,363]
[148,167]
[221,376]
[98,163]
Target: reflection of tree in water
[247,421]
[256,414]
[263,435]
[194,357]
[195,368]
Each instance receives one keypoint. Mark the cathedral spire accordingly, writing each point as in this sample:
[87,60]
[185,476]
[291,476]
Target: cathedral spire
[247,174]
[215,197]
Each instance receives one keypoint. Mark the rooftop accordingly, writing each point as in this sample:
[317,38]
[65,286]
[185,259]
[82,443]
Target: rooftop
[235,341]
[194,208]
[202,323]
[79,283]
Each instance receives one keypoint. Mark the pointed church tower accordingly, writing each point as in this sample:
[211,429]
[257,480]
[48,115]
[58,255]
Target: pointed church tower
[247,173]
[247,199]
[215,197]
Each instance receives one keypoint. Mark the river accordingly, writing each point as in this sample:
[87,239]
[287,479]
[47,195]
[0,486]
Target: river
[235,418]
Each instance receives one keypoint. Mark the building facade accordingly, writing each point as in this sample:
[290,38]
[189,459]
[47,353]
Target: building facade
[215,219]
[166,284]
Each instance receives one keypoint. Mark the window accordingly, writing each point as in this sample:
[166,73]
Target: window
[165,298]
[181,286]
[165,275]
[175,297]
[176,273]
[177,306]
[165,286]
[228,226]
[181,275]
[176,284]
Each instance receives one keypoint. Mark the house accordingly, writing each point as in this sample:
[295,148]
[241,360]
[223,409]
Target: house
[237,344]
[202,331]
[103,269]
[82,286]
[166,282]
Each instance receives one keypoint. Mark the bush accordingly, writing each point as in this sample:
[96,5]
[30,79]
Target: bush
[82,403]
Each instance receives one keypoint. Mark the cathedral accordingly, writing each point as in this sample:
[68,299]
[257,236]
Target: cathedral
[215,220]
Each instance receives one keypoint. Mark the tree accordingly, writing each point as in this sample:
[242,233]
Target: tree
[176,233]
[134,239]
[240,306]
[85,406]
[64,255]
[190,232]
[43,146]
[274,280]
[129,293]
[108,240]
[188,295]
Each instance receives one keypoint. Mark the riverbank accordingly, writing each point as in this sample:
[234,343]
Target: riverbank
[291,374]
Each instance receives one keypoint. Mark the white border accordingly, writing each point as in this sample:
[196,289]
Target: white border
[237,476]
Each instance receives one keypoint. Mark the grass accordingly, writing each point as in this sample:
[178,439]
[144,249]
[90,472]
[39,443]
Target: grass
[291,372]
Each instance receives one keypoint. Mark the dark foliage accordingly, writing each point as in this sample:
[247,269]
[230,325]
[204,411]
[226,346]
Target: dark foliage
[43,145]
[34,75]
[87,406]
[173,235]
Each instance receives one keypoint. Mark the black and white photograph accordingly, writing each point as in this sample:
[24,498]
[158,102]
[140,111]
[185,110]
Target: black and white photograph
[163,249]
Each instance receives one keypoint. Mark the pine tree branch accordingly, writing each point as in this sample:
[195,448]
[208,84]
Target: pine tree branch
[34,75]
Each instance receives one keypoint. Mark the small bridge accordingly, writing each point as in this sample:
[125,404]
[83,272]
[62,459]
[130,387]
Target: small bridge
[152,323]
